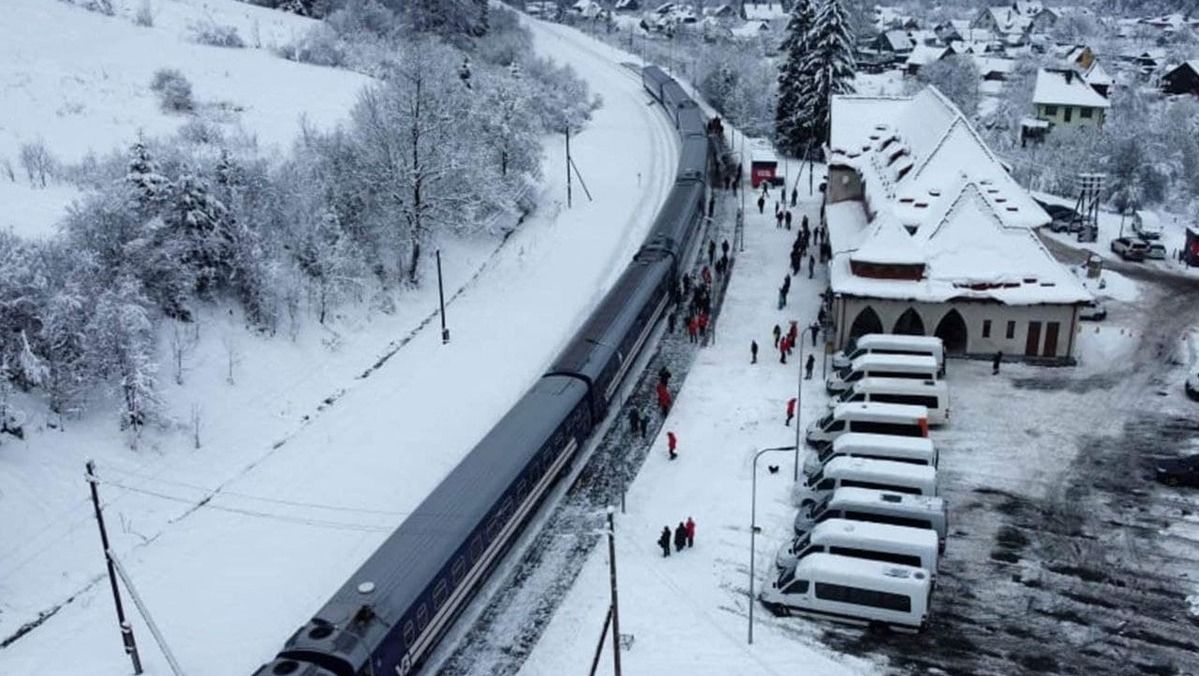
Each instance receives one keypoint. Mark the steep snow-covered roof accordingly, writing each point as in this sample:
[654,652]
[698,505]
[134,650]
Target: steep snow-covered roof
[935,195]
[992,64]
[898,41]
[1066,88]
[1096,75]
[925,54]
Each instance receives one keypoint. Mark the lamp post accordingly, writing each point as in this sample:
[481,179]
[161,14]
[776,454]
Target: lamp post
[799,378]
[753,531]
[445,333]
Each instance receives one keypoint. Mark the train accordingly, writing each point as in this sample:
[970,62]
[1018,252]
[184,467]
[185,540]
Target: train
[392,613]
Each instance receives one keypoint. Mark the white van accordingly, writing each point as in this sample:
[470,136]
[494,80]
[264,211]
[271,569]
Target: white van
[861,504]
[903,545]
[891,343]
[914,450]
[893,419]
[879,475]
[851,590]
[931,394]
[882,366]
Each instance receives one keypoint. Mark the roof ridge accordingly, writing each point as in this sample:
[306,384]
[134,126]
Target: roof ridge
[968,186]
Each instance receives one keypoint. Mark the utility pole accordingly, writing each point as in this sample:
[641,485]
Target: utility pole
[445,333]
[126,629]
[612,579]
[568,167]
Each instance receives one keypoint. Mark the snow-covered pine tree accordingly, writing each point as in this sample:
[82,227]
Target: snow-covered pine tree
[201,222]
[150,188]
[62,337]
[790,123]
[830,66]
[10,416]
[120,346]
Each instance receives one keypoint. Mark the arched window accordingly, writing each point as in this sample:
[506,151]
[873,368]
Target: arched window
[909,323]
[867,321]
[952,331]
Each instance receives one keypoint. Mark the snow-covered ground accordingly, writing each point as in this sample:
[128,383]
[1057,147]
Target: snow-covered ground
[80,82]
[299,492]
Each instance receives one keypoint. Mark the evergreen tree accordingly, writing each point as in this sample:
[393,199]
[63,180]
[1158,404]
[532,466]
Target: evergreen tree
[201,222]
[120,339]
[790,125]
[829,65]
[150,188]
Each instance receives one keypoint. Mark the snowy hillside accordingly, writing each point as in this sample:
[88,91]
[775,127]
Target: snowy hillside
[79,82]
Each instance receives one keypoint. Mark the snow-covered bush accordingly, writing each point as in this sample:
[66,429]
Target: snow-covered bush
[99,6]
[174,91]
[144,15]
[38,163]
[320,46]
[209,32]
[957,78]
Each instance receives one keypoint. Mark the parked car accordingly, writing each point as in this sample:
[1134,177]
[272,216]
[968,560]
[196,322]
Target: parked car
[1192,387]
[1155,250]
[1064,218]
[1129,249]
[1178,471]
[1093,311]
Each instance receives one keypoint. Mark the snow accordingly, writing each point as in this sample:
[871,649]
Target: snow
[1065,88]
[85,85]
[692,608]
[300,492]
[34,212]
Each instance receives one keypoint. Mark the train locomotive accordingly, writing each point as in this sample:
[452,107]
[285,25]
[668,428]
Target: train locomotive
[390,615]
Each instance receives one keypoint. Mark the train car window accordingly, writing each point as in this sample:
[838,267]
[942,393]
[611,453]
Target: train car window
[493,527]
[523,489]
[409,634]
[459,571]
[422,617]
[440,592]
[476,548]
[507,510]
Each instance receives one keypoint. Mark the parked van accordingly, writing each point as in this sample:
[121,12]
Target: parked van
[882,366]
[861,504]
[903,545]
[894,419]
[913,450]
[891,343]
[855,591]
[931,394]
[879,475]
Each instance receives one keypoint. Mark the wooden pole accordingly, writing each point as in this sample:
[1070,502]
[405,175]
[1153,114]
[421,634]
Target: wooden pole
[126,630]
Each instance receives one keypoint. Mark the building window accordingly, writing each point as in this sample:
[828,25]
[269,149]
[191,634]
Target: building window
[1011,330]
[1050,110]
[1086,113]
[986,328]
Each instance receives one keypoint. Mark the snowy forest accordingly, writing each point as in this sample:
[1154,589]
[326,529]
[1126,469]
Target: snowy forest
[447,142]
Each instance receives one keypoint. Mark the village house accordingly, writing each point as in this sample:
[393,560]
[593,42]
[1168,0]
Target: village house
[895,42]
[1062,96]
[1007,23]
[931,236]
[1182,79]
[921,56]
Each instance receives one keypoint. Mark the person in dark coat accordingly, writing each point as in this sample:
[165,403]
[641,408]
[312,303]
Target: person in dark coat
[786,283]
[807,367]
[796,261]
[670,321]
[690,533]
[686,283]
[804,223]
[753,352]
[634,421]
[815,328]
[664,541]
[724,247]
[778,219]
[761,204]
[778,333]
[711,251]
[995,363]
[711,205]
[794,195]
[787,218]
[680,537]
[782,298]
[664,375]
[811,266]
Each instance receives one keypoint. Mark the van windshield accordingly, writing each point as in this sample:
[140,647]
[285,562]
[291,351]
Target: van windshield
[824,422]
[845,396]
[816,478]
[821,507]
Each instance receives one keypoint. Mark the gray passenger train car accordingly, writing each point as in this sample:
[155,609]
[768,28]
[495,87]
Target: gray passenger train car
[652,78]
[692,123]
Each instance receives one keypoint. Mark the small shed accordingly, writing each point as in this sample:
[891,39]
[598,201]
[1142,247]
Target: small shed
[763,163]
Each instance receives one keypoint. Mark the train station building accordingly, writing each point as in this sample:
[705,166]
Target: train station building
[931,236]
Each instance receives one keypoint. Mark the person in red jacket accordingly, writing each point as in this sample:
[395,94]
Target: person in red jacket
[671,444]
[790,411]
[784,346]
[690,525]
[663,399]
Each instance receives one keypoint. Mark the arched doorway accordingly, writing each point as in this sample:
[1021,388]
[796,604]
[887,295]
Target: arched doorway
[952,331]
[867,321]
[909,323]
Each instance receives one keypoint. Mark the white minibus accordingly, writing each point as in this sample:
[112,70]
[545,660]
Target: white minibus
[851,590]
[931,394]
[891,343]
[904,545]
[894,419]
[896,509]
[914,450]
[879,475]
[882,366]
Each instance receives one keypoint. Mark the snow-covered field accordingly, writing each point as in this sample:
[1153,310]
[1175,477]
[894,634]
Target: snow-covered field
[80,82]
[299,491]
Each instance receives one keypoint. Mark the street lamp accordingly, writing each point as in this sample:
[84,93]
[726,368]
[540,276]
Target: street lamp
[753,531]
[799,392]
[445,332]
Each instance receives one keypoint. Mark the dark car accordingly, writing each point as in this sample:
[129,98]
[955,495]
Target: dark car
[1178,471]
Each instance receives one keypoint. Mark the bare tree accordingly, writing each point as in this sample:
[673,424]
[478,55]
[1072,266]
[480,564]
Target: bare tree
[183,342]
[37,162]
[195,425]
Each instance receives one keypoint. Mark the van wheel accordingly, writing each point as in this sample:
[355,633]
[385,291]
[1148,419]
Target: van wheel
[777,609]
[878,628]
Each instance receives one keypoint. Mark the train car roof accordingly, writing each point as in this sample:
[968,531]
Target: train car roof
[654,73]
[426,541]
[693,122]
[693,159]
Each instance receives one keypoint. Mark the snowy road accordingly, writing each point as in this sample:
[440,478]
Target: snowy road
[229,581]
